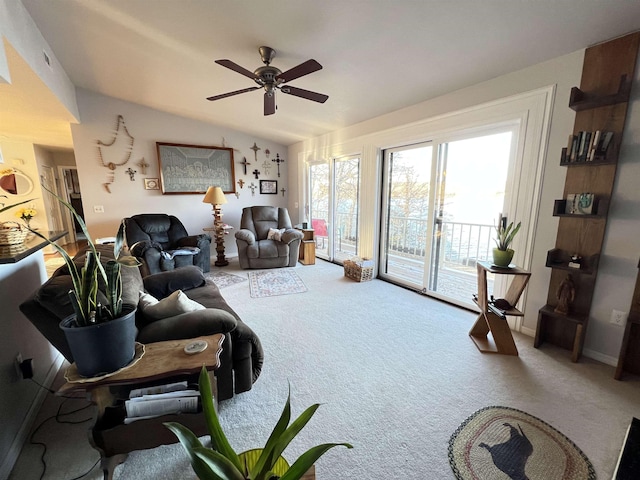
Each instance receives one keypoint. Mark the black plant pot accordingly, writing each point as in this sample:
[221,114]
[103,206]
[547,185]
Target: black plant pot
[104,347]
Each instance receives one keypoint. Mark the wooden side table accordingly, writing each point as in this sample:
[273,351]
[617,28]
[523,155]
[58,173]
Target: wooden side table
[162,362]
[307,255]
[493,319]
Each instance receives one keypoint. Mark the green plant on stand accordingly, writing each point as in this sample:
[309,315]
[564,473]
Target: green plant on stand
[502,254]
[221,462]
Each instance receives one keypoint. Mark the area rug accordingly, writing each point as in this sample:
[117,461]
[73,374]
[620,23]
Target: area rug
[279,281]
[52,264]
[505,443]
[223,279]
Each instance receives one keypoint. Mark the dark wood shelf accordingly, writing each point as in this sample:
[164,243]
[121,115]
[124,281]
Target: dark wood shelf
[579,100]
[571,317]
[600,207]
[560,259]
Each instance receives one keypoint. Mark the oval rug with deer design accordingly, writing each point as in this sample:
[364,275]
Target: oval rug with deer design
[502,443]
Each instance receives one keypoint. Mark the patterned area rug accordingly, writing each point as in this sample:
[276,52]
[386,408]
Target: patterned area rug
[505,443]
[223,279]
[280,281]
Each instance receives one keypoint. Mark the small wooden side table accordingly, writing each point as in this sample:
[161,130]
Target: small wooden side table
[162,362]
[307,255]
[492,319]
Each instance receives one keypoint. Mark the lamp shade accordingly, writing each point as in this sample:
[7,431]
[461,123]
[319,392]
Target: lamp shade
[214,196]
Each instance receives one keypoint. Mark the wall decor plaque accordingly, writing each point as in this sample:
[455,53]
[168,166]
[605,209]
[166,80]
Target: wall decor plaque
[194,168]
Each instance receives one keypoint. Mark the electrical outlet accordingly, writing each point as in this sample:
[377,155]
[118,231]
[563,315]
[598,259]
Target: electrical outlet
[98,209]
[618,318]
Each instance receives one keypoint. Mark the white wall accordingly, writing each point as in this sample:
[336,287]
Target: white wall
[148,126]
[620,254]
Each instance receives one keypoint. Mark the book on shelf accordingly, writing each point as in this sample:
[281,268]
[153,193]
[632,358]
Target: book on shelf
[587,146]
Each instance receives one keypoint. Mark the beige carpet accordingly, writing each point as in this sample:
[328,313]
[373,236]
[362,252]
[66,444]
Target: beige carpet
[396,374]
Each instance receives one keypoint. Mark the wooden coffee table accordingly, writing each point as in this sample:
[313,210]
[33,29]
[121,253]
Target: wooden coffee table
[162,362]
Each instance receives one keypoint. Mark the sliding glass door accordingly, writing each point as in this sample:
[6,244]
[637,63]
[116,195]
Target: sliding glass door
[334,205]
[440,203]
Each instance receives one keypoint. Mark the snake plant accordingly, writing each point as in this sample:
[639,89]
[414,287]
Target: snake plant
[84,295]
[221,462]
[504,235]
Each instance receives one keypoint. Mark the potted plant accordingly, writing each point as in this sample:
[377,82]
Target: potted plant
[101,333]
[220,462]
[502,255]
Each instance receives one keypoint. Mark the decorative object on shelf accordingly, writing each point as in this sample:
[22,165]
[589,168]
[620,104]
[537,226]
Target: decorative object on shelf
[256,173]
[258,464]
[192,168]
[101,336]
[14,182]
[502,255]
[579,203]
[278,161]
[253,189]
[266,166]
[283,190]
[255,149]
[267,153]
[151,184]
[576,261]
[241,183]
[587,147]
[566,294]
[26,214]
[129,171]
[143,166]
[269,187]
[12,233]
[122,140]
[215,196]
[244,164]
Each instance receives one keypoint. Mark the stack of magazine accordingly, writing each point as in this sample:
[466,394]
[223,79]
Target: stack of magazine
[160,400]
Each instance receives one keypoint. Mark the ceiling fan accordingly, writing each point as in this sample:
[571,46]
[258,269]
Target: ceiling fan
[271,79]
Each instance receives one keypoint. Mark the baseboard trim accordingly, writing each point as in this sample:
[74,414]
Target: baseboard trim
[600,357]
[529,332]
[23,434]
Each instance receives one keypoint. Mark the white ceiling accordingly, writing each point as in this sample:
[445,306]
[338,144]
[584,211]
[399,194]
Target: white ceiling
[378,55]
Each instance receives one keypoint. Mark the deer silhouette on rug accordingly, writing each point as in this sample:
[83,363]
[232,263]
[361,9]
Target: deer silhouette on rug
[511,456]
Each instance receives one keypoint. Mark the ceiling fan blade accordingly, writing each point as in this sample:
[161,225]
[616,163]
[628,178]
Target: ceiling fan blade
[269,103]
[230,94]
[302,93]
[304,68]
[236,68]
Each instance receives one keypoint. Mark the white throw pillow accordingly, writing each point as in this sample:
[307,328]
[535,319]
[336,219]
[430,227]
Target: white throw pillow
[275,234]
[173,305]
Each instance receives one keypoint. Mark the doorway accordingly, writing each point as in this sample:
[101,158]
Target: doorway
[70,191]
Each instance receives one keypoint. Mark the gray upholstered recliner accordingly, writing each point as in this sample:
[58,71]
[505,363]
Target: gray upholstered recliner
[255,250]
[163,244]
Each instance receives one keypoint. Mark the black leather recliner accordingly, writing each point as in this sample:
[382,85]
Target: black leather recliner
[162,243]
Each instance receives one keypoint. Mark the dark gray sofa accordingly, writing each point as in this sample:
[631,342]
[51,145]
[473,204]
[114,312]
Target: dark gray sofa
[242,356]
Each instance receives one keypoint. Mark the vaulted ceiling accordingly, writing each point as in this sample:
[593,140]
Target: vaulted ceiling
[378,55]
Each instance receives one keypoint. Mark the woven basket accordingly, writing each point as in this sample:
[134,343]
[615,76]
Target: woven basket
[356,272]
[12,233]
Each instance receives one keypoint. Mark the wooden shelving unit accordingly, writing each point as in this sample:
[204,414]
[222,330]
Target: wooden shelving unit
[600,104]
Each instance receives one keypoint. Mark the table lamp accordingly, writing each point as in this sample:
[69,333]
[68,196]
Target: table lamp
[215,196]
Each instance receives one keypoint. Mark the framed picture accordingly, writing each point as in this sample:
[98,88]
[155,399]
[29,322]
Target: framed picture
[194,168]
[269,187]
[151,184]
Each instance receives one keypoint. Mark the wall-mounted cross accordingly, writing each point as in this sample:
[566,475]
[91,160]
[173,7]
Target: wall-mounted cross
[255,149]
[267,153]
[278,160]
[282,190]
[244,164]
[253,189]
[266,166]
[241,182]
[256,173]
[129,171]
